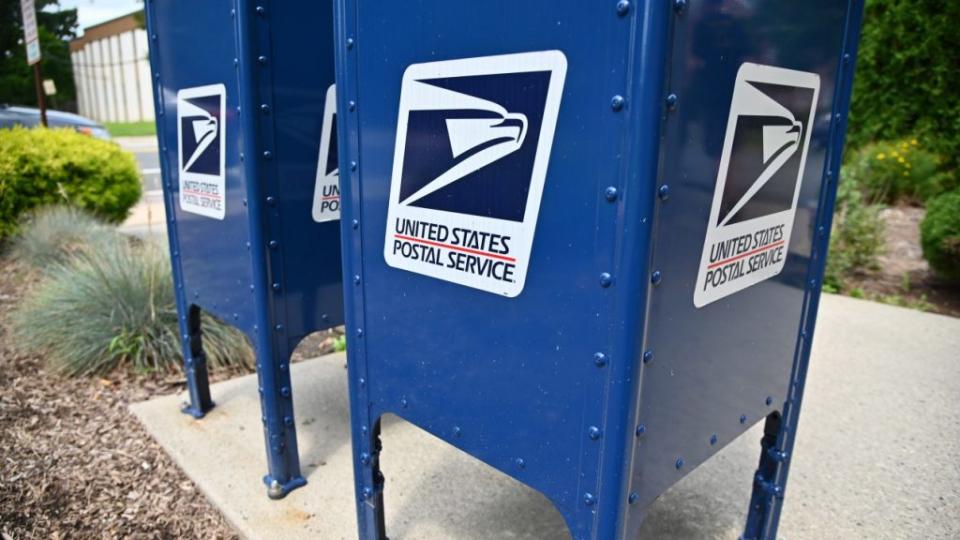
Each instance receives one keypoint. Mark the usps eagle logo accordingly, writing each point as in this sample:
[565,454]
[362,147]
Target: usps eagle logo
[759,179]
[201,142]
[470,162]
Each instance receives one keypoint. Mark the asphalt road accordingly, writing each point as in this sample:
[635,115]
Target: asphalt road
[144,149]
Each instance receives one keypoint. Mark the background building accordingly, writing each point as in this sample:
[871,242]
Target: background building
[111,69]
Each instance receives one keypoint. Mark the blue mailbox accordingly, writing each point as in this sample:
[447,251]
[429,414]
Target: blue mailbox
[585,239]
[245,108]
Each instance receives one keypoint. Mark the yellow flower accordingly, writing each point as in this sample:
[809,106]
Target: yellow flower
[881,156]
[905,173]
[901,160]
[914,142]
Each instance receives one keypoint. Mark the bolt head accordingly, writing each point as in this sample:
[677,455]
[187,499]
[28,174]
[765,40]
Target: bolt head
[600,359]
[656,277]
[679,6]
[641,429]
[664,192]
[769,401]
[589,499]
[713,439]
[623,7]
[616,103]
[672,100]
[633,498]
[593,432]
[610,193]
[647,356]
[743,419]
[520,463]
[679,463]
[606,280]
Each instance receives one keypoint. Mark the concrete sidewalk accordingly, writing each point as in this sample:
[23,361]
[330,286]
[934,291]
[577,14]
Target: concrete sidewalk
[875,458]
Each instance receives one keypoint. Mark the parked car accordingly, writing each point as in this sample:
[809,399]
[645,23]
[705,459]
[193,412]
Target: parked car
[13,115]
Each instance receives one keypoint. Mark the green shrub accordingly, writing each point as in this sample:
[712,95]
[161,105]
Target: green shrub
[897,171]
[40,166]
[115,308]
[857,237]
[940,234]
[907,77]
[52,234]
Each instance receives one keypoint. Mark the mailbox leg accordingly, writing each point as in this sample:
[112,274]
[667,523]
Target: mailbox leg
[195,364]
[767,493]
[276,405]
[370,499]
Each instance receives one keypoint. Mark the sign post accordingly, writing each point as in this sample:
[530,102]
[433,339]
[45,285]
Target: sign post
[32,42]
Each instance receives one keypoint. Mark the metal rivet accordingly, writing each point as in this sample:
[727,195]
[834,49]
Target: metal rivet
[356,279]
[821,230]
[606,280]
[623,7]
[404,402]
[273,244]
[362,381]
[520,463]
[283,366]
[267,154]
[288,420]
[679,6]
[672,101]
[641,429]
[278,327]
[285,391]
[679,463]
[616,103]
[813,284]
[610,193]
[367,493]
[271,200]
[743,419]
[769,401]
[260,10]
[648,356]
[359,332]
[354,224]
[589,499]
[593,432]
[351,105]
[153,37]
[276,286]
[713,439]
[236,316]
[846,58]
[264,108]
[236,61]
[633,498]
[456,431]
[349,43]
[364,458]
[656,277]
[262,59]
[600,359]
[664,192]
[353,165]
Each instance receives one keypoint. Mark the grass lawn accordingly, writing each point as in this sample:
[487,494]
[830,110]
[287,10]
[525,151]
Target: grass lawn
[131,129]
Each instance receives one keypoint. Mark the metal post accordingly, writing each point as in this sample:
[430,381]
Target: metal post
[41,102]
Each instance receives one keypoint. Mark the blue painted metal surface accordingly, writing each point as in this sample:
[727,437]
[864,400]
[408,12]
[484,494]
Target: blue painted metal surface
[600,383]
[264,264]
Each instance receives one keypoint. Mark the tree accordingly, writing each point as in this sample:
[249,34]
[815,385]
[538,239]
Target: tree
[56,29]
[908,73]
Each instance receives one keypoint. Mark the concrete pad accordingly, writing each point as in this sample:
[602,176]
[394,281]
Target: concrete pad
[148,218]
[875,458]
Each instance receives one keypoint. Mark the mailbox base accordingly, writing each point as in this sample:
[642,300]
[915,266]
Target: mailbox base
[277,490]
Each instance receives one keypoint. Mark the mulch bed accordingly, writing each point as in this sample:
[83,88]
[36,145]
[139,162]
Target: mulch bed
[74,463]
[902,274]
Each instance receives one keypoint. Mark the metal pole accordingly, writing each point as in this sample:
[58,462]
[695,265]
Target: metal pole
[38,81]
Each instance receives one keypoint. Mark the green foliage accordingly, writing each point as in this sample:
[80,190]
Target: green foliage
[340,343]
[940,234]
[56,27]
[897,171]
[857,237]
[47,166]
[112,308]
[131,129]
[907,75]
[53,234]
